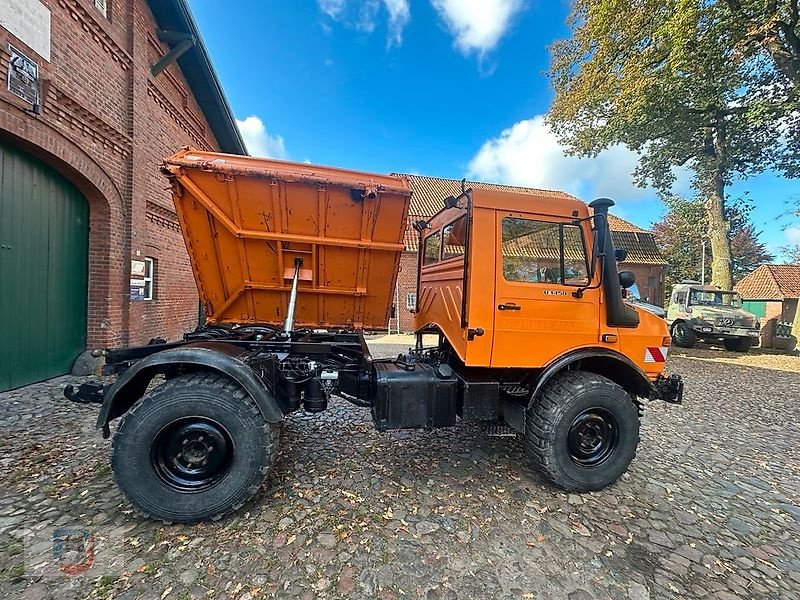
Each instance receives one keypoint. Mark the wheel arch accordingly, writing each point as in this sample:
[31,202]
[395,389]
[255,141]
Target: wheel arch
[602,361]
[216,357]
[675,322]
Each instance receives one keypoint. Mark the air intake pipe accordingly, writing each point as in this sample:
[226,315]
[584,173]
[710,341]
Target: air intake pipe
[618,314]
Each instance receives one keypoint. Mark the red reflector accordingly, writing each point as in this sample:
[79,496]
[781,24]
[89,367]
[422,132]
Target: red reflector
[666,341]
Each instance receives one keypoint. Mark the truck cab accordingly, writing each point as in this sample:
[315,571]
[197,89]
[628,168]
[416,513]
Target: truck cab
[511,287]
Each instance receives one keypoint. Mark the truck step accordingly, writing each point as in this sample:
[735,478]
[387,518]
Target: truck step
[499,430]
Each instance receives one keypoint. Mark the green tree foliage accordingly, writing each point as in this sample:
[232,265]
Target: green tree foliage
[771,26]
[684,83]
[681,230]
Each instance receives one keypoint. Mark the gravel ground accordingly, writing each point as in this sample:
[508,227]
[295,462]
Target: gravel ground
[709,509]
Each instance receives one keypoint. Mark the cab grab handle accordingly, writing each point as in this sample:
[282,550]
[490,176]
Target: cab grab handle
[509,306]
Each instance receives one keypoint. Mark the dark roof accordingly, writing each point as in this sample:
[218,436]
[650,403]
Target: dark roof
[771,282]
[430,192]
[174,15]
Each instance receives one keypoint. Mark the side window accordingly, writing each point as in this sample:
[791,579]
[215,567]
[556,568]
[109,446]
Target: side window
[542,252]
[576,271]
[411,301]
[431,249]
[680,298]
[149,278]
[102,6]
[454,238]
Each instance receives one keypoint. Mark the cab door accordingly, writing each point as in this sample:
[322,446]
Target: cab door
[541,262]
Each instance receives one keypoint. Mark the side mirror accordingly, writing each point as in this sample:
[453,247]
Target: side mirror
[620,254]
[627,279]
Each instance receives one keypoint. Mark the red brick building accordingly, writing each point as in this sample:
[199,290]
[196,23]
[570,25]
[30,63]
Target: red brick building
[772,293]
[644,258]
[94,94]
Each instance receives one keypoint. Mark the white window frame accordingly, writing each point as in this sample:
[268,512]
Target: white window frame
[149,278]
[411,301]
[102,7]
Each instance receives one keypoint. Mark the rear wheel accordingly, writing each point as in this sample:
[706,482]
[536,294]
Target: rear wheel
[582,431]
[738,344]
[683,335]
[194,448]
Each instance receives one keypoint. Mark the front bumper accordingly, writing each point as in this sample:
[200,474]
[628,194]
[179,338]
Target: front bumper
[713,331]
[669,389]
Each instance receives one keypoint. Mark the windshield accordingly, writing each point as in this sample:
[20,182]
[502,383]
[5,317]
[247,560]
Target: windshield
[714,298]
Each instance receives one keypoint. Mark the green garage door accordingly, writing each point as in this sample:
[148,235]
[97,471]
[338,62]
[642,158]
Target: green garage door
[44,236]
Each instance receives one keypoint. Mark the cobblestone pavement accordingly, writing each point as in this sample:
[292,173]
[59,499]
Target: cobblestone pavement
[709,509]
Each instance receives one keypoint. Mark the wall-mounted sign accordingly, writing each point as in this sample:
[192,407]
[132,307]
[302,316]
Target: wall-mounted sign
[23,76]
[28,20]
[137,269]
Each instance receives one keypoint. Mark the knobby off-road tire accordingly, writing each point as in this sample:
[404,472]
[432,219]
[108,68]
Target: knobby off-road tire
[562,425]
[738,344]
[683,336]
[159,448]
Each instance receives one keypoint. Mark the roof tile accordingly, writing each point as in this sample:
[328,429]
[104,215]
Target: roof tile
[771,282]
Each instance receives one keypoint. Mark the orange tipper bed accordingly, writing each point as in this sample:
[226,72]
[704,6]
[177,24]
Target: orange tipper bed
[244,238]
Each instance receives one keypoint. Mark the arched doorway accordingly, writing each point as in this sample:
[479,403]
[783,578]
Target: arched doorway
[44,240]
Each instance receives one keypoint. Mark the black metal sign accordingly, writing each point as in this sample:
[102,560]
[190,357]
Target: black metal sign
[23,77]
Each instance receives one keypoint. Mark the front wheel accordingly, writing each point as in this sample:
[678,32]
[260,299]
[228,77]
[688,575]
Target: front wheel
[683,335]
[582,431]
[195,448]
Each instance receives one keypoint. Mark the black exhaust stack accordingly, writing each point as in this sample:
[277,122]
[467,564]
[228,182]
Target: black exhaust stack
[618,314]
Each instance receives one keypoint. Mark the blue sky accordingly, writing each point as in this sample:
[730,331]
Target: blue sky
[450,88]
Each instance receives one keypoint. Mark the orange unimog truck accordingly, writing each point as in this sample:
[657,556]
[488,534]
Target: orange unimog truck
[294,262]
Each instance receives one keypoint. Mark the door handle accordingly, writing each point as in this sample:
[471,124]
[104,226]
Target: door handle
[509,306]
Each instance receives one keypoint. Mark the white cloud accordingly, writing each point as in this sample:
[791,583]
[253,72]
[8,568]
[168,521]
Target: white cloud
[362,15]
[258,140]
[477,25]
[367,15]
[332,8]
[399,16]
[529,154]
[793,236]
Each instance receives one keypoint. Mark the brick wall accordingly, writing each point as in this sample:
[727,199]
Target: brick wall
[106,123]
[772,314]
[650,281]
[407,282]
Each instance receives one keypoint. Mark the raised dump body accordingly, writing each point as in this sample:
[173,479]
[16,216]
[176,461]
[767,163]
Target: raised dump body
[246,221]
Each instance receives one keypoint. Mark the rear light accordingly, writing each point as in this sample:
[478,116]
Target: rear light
[666,341]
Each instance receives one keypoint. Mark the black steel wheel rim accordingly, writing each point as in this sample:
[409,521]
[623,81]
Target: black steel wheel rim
[680,330]
[192,454]
[593,437]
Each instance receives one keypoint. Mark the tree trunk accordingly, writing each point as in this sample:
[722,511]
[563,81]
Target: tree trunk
[719,229]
